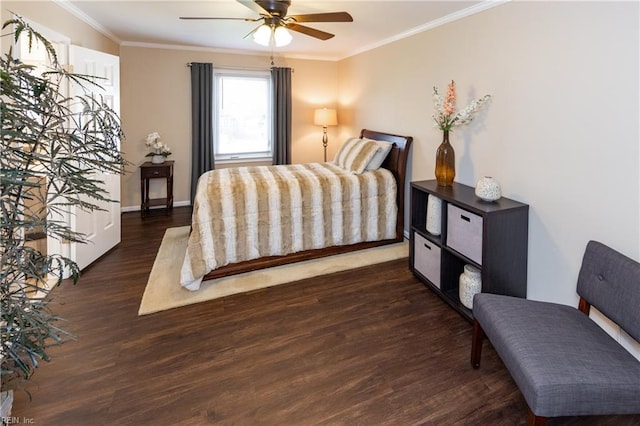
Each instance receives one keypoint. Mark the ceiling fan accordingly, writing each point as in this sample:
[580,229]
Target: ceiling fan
[273,13]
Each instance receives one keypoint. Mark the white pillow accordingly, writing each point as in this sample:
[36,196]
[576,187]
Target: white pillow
[381,154]
[355,154]
[342,153]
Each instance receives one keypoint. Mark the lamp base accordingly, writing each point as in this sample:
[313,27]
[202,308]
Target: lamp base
[325,139]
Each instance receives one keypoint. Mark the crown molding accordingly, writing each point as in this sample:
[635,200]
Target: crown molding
[66,5]
[226,51]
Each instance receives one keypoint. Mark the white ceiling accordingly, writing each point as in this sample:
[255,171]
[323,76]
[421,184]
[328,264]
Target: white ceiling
[156,22]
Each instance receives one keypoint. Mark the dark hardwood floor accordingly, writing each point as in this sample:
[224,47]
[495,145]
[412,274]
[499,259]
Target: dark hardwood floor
[369,346]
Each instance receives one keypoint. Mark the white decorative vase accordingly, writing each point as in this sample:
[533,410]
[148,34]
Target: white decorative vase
[470,284]
[434,214]
[488,189]
[157,159]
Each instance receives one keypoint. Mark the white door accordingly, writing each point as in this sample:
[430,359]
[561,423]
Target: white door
[37,56]
[102,228]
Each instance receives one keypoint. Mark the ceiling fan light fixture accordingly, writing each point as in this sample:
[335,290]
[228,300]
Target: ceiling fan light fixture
[276,24]
[262,35]
[282,36]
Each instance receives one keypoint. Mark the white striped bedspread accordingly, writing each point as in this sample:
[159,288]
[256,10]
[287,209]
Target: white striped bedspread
[246,213]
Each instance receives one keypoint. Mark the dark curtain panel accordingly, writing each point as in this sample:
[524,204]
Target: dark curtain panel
[281,80]
[201,122]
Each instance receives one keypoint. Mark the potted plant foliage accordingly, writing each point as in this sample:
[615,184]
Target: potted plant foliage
[52,145]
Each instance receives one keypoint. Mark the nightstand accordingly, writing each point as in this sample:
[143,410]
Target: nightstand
[150,171]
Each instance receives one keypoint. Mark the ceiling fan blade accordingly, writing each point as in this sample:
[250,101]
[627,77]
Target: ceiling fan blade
[309,31]
[323,17]
[194,18]
[254,6]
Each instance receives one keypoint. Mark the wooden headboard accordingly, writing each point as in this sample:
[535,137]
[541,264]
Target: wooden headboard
[396,162]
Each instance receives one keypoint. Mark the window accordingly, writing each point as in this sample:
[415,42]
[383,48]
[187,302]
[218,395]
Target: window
[242,115]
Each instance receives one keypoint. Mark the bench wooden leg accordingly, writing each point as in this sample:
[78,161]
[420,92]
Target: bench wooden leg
[476,344]
[533,420]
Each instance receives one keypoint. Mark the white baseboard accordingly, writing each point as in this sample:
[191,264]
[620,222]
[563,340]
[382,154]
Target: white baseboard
[137,208]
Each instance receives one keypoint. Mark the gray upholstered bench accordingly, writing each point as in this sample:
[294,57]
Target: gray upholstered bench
[563,362]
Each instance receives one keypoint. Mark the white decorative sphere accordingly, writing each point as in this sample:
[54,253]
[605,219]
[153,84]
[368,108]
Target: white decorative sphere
[488,189]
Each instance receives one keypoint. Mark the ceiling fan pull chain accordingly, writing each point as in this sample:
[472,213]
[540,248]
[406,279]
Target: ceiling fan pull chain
[272,53]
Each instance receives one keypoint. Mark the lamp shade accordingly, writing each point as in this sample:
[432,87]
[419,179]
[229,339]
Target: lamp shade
[269,34]
[281,36]
[263,35]
[325,117]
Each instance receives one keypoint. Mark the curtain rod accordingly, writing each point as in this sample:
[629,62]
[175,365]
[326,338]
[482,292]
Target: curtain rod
[242,68]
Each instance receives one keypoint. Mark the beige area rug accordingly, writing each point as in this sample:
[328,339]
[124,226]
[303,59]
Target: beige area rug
[164,291]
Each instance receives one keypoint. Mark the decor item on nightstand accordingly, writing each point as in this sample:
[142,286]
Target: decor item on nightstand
[446,118]
[488,189]
[160,151]
[434,214]
[470,284]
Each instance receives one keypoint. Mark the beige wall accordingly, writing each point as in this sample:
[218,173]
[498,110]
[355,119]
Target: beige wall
[560,134]
[55,18]
[156,95]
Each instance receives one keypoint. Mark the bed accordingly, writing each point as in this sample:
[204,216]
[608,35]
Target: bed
[250,218]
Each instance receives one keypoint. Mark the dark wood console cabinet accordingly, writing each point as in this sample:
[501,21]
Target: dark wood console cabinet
[492,236]
[148,171]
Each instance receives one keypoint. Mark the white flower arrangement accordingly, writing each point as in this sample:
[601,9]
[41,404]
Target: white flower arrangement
[446,116]
[153,141]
